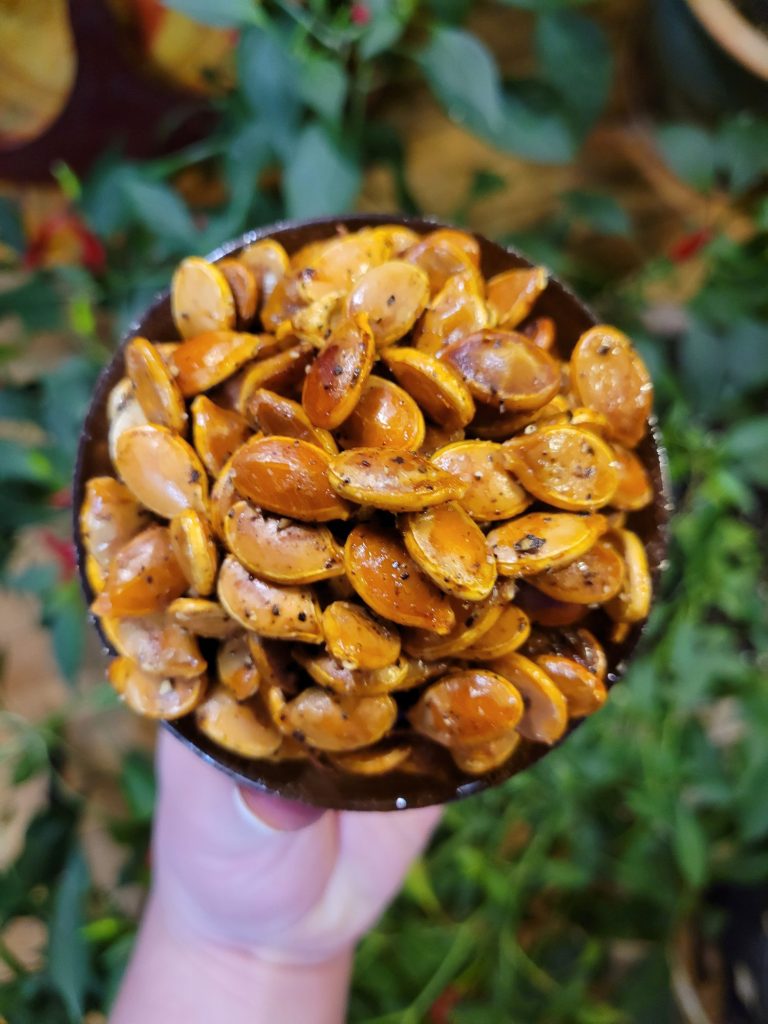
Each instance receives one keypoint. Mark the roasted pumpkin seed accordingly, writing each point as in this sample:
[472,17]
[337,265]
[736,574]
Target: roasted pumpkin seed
[357,639]
[467,707]
[195,550]
[333,723]
[436,387]
[244,727]
[201,299]
[544,540]
[155,696]
[451,549]
[546,713]
[491,492]
[391,479]
[385,417]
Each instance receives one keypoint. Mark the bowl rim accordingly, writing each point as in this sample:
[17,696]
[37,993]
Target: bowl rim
[663,505]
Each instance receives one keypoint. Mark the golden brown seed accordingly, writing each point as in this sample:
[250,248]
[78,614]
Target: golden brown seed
[283,373]
[544,540]
[502,366]
[244,286]
[288,476]
[568,467]
[391,479]
[492,493]
[373,761]
[201,299]
[480,758]
[509,632]
[467,707]
[326,671]
[385,417]
[389,581]
[268,262]
[156,391]
[281,550]
[241,727]
[584,692]
[456,311]
[512,295]
[274,414]
[143,577]
[333,723]
[354,637]
[491,424]
[235,667]
[436,387]
[207,359]
[393,295]
[593,578]
[161,470]
[285,613]
[336,378]
[472,620]
[609,376]
[545,718]
[634,490]
[577,644]
[125,412]
[217,433]
[155,696]
[202,617]
[195,550]
[109,517]
[633,602]
[157,643]
[223,497]
[442,259]
[542,331]
[451,549]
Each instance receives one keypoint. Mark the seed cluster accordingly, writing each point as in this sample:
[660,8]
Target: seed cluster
[363,508]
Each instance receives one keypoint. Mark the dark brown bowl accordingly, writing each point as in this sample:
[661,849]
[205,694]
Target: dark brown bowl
[314,782]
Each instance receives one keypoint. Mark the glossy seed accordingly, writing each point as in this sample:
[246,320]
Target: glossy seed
[442,259]
[509,632]
[207,359]
[512,294]
[436,387]
[393,295]
[544,540]
[635,489]
[274,414]
[593,578]
[281,550]
[568,467]
[481,758]
[504,366]
[545,718]
[268,262]
[633,601]
[202,617]
[467,707]
[389,581]
[156,390]
[157,643]
[155,696]
[373,761]
[244,286]
[217,433]
[542,331]
[143,577]
[109,517]
[391,479]
[242,727]
[579,644]
[472,621]
[288,476]
[125,412]
[235,667]
[223,497]
[195,550]
[333,723]
[492,424]
[492,492]
[285,613]
[609,376]
[201,299]
[335,380]
[283,373]
[451,549]
[161,470]
[326,671]
[456,311]
[385,417]
[358,640]
[584,692]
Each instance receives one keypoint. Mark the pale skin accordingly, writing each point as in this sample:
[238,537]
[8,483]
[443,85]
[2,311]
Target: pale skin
[257,903]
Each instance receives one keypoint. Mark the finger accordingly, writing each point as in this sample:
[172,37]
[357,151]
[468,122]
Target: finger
[276,813]
[216,862]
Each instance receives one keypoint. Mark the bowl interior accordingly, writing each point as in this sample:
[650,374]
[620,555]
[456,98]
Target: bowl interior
[312,782]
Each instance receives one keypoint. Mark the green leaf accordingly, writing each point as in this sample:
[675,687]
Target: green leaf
[219,13]
[742,150]
[690,846]
[68,958]
[36,302]
[323,85]
[137,781]
[268,76]
[745,446]
[65,614]
[28,465]
[463,76]
[690,152]
[66,395]
[597,211]
[575,59]
[535,125]
[161,210]
[321,178]
[11,227]
[388,21]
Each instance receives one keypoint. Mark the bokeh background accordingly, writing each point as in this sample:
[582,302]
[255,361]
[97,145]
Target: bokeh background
[622,143]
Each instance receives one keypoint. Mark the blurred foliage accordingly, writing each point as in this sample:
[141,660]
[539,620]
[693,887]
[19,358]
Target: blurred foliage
[561,896]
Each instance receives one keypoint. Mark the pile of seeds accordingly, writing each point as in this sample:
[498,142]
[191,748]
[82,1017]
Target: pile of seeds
[364,507]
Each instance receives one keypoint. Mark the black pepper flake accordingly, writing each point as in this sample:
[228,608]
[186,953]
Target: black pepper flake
[194,476]
[405,575]
[251,577]
[604,350]
[337,370]
[390,300]
[365,462]
[302,616]
[275,609]
[150,579]
[529,543]
[399,460]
